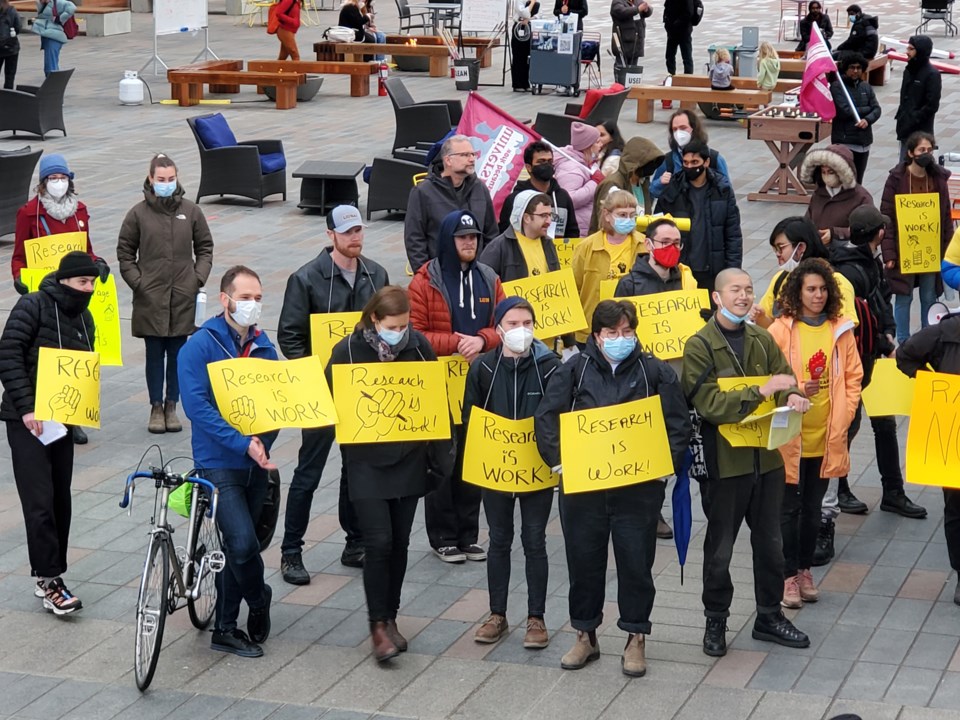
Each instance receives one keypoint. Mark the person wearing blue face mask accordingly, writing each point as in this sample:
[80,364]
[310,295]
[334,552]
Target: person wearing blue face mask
[611,370]
[165,251]
[864,38]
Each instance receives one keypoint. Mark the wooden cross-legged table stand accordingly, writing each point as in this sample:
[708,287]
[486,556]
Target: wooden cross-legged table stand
[788,134]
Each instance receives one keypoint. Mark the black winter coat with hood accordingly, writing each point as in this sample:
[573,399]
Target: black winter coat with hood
[845,130]
[52,317]
[863,38]
[920,91]
[938,345]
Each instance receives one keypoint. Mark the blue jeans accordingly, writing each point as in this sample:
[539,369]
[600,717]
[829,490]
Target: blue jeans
[927,282]
[534,513]
[51,55]
[381,38]
[162,361]
[242,493]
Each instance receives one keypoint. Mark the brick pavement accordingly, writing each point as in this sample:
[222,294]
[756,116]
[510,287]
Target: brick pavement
[885,636]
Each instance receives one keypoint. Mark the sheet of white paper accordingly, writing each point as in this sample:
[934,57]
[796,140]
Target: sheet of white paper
[52,431]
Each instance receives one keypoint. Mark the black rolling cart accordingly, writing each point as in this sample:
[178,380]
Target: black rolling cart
[550,64]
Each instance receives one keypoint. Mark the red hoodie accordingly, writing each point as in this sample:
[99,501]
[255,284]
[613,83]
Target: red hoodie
[288,14]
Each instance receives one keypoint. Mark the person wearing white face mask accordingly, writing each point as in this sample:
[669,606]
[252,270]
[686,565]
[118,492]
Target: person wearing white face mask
[685,127]
[834,172]
[165,251]
[509,381]
[237,464]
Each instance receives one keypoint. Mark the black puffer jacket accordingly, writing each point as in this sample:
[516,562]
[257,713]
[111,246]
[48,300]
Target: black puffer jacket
[38,320]
[863,38]
[644,280]
[938,345]
[920,91]
[589,382]
[845,130]
[319,287]
[509,387]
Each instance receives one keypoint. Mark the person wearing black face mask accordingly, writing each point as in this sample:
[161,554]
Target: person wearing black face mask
[538,161]
[918,173]
[920,92]
[55,316]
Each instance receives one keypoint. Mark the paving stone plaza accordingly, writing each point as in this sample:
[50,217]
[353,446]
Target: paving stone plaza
[884,635]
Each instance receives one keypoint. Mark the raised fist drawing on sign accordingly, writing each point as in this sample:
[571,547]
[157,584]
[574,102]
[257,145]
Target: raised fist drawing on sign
[380,411]
[65,403]
[243,413]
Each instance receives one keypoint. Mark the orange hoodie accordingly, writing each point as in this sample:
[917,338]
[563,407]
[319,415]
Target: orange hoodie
[846,373]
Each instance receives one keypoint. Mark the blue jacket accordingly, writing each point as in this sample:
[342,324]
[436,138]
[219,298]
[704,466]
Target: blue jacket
[216,444]
[46,26]
[673,163]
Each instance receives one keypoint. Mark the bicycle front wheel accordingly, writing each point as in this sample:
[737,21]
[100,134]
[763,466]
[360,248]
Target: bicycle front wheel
[151,610]
[206,541]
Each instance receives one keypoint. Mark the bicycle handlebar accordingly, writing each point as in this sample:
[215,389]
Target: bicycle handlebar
[131,485]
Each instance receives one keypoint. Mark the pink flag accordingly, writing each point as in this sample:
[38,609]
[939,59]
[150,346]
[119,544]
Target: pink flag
[501,143]
[814,89]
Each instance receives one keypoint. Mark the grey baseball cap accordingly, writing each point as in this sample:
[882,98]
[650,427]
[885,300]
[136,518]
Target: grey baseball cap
[343,218]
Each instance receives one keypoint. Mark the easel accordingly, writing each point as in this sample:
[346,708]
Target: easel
[196,18]
[505,39]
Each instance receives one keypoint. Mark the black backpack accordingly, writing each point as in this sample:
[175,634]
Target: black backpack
[8,43]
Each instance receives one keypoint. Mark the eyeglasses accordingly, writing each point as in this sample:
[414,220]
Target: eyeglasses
[469,154]
[551,216]
[666,243]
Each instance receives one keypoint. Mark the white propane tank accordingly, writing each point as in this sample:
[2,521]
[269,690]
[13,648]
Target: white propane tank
[131,88]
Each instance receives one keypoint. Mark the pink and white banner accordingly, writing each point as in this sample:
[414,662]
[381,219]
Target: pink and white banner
[500,140]
[814,89]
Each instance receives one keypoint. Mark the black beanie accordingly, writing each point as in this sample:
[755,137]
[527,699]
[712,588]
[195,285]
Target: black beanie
[505,306]
[76,264]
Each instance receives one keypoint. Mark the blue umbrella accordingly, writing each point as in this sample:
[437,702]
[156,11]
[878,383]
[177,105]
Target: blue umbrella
[682,511]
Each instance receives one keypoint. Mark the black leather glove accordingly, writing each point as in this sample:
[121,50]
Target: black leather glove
[20,287]
[103,268]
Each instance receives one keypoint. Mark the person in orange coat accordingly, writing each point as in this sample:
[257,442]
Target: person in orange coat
[822,351]
[452,300]
[288,15]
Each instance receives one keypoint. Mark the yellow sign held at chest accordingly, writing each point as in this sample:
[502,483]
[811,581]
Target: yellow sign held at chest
[68,387]
[614,446]
[749,433]
[456,368]
[45,252]
[256,395]
[565,248]
[918,232]
[667,320]
[890,392]
[391,402]
[327,329]
[555,299]
[501,454]
[933,439]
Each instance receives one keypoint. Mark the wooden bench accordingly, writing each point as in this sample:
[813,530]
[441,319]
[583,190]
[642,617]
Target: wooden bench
[438,55]
[225,65]
[739,83]
[477,44]
[361,73]
[100,21]
[689,97]
[186,84]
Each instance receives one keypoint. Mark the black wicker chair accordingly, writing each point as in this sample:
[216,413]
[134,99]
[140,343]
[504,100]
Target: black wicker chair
[418,123]
[36,110]
[556,128]
[391,181]
[236,170]
[16,170]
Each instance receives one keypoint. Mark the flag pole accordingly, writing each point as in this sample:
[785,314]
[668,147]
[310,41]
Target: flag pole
[843,86]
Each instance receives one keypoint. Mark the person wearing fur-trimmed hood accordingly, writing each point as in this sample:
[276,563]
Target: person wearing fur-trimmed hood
[837,195]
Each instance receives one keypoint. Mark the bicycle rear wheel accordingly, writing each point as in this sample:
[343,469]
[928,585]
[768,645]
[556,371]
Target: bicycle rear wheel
[206,540]
[151,610]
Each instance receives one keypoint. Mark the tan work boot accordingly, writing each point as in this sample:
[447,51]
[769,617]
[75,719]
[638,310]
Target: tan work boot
[634,660]
[585,650]
[157,424]
[170,419]
[536,637]
[492,630]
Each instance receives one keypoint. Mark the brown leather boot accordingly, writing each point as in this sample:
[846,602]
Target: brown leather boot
[394,632]
[585,650]
[634,660]
[170,419]
[157,424]
[383,646]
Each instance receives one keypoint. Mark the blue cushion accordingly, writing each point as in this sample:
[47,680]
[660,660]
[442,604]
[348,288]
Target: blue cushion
[271,162]
[214,132]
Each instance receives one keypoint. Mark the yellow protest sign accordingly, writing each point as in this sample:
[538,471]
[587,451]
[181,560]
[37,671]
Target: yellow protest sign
[391,402]
[45,252]
[918,232]
[933,439]
[32,277]
[501,454]
[667,320]
[556,300]
[890,392]
[754,431]
[456,374]
[614,446]
[256,395]
[565,248]
[608,288]
[327,329]
[68,387]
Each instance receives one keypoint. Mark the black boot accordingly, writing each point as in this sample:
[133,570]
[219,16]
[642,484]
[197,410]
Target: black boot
[78,435]
[897,502]
[774,627]
[823,552]
[715,637]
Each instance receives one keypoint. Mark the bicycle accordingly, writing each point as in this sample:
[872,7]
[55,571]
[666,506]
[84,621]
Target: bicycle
[171,573]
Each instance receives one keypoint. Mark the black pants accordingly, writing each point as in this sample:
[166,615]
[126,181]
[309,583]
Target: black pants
[9,65]
[951,525]
[800,517]
[43,475]
[385,526]
[887,449]
[520,62]
[452,511]
[727,502]
[684,41]
[534,515]
[162,361]
[860,163]
[629,516]
[314,449]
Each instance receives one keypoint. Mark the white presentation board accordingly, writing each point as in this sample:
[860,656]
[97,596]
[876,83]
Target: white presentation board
[174,16]
[482,15]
